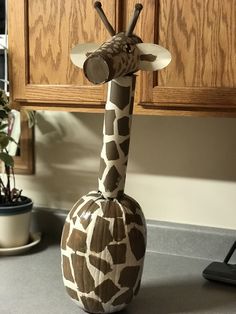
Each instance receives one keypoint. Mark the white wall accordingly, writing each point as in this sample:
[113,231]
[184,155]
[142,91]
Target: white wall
[180,169]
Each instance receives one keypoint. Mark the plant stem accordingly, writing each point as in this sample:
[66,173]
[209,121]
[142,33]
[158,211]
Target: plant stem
[8,186]
[13,176]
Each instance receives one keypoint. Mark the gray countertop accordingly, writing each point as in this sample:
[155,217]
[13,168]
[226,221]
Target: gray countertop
[32,284]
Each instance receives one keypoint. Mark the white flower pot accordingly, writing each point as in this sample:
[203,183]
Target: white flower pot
[15,224]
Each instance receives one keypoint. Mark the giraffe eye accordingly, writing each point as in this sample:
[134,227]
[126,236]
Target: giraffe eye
[127,48]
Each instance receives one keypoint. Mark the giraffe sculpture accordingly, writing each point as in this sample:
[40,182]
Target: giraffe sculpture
[104,237]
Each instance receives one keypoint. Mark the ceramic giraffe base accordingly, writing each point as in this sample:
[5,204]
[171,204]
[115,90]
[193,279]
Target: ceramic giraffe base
[103,246]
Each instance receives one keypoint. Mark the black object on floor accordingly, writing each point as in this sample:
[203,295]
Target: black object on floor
[222,271]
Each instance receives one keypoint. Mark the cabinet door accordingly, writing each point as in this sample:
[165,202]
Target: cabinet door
[201,78]
[41,35]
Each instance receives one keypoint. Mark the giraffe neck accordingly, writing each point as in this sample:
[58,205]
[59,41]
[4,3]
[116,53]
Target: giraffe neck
[116,136]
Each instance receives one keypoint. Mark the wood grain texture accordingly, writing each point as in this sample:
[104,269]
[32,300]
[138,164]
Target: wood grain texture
[24,164]
[202,74]
[63,107]
[17,47]
[201,37]
[54,27]
[41,35]
[63,94]
[150,109]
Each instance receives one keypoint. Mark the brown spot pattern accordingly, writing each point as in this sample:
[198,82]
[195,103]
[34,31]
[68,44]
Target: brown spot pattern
[86,212]
[148,57]
[130,203]
[91,305]
[133,218]
[128,276]
[74,208]
[112,151]
[123,126]
[133,83]
[77,241]
[119,95]
[118,229]
[66,268]
[83,278]
[111,209]
[95,194]
[85,221]
[72,293]
[100,264]
[125,146]
[137,243]
[89,206]
[101,235]
[112,179]
[124,298]
[118,253]
[120,194]
[109,122]
[106,290]
[131,105]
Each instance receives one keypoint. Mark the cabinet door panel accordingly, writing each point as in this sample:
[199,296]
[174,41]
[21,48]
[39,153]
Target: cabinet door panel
[41,35]
[53,28]
[199,35]
[201,77]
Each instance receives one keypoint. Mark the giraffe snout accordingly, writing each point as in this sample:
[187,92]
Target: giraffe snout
[96,69]
[114,58]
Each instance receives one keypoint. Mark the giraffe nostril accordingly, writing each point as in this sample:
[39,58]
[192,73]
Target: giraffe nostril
[96,70]
[127,48]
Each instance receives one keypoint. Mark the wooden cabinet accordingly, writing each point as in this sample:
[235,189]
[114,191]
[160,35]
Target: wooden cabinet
[41,35]
[201,79]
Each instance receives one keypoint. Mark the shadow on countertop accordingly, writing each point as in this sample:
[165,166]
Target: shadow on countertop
[189,296]
[50,224]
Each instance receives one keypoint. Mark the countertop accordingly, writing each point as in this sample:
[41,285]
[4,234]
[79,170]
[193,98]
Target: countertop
[32,284]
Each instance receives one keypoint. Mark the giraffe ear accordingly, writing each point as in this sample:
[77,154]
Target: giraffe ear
[153,57]
[81,52]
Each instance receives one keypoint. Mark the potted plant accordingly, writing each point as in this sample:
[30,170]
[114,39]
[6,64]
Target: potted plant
[15,209]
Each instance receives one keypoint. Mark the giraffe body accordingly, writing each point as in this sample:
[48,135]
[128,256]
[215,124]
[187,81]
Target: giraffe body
[103,247]
[104,236]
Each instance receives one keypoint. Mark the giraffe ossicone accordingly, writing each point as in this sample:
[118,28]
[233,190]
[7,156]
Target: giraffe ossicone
[104,237]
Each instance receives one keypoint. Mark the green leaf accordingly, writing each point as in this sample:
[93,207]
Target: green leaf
[4,141]
[3,126]
[7,159]
[3,114]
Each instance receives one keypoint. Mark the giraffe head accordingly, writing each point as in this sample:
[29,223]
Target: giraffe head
[123,54]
